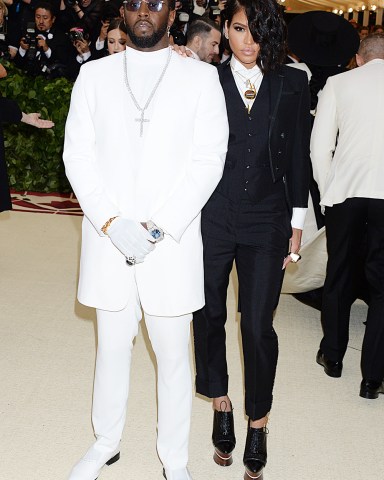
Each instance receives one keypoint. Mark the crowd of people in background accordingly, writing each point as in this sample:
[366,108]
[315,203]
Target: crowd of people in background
[55,37]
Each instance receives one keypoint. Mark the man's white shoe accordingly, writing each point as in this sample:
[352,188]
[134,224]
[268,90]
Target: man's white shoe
[181,474]
[90,466]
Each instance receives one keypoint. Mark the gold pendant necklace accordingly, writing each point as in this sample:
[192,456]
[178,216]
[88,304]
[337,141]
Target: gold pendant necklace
[250,92]
[250,89]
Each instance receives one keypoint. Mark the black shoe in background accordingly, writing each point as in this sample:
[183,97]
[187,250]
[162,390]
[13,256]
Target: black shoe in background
[371,388]
[331,368]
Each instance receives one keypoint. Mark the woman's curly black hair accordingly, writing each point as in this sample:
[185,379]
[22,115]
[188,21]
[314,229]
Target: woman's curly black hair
[267,27]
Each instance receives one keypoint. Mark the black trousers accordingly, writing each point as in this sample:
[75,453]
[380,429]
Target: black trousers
[255,236]
[346,224]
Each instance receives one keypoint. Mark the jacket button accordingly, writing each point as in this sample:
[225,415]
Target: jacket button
[279,152]
[250,118]
[247,166]
[282,135]
[249,150]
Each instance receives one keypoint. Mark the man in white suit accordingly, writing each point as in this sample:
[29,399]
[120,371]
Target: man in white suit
[142,172]
[347,151]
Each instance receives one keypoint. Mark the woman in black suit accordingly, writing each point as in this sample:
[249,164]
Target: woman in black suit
[255,218]
[11,113]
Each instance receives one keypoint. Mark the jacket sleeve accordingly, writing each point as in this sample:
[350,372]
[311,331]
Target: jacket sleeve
[324,133]
[9,111]
[301,159]
[80,159]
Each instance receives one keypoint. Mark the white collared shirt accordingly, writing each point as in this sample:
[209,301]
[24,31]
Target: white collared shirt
[241,74]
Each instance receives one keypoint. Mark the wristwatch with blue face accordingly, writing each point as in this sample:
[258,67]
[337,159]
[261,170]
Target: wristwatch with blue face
[156,232]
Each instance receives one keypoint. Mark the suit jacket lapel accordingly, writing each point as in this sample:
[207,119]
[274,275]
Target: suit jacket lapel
[276,82]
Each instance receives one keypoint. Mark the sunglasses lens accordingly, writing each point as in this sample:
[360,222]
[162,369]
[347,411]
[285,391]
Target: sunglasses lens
[155,6]
[133,6]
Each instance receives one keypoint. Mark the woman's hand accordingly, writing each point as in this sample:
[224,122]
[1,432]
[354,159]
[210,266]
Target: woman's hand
[82,46]
[35,120]
[181,50]
[294,245]
[103,30]
[3,71]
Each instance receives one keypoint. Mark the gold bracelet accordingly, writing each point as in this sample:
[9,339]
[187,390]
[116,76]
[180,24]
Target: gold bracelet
[106,225]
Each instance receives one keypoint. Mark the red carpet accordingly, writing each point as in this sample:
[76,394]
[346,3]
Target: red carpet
[54,203]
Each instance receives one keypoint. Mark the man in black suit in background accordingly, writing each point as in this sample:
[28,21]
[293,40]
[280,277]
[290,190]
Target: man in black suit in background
[43,48]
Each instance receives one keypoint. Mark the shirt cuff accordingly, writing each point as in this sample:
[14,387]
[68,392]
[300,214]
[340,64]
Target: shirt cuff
[100,44]
[86,56]
[298,217]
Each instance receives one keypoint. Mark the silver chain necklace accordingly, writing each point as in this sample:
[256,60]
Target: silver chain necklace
[152,94]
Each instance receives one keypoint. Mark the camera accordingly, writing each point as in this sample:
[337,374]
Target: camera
[75,35]
[30,39]
[70,3]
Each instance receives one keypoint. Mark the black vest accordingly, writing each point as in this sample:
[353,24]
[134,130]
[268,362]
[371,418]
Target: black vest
[247,173]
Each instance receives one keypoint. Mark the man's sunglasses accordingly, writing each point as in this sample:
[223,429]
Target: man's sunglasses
[153,5]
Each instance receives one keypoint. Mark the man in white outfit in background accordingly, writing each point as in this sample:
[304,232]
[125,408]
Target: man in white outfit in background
[142,173]
[347,152]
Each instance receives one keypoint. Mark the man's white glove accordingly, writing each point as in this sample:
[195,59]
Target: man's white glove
[131,238]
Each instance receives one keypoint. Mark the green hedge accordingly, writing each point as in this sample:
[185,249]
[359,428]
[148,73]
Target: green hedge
[34,156]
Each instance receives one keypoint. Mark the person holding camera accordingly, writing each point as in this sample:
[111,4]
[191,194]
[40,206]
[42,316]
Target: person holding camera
[20,12]
[81,53]
[116,38]
[112,11]
[44,48]
[85,13]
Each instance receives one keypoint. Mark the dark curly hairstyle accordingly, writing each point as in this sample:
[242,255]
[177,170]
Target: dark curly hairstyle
[267,27]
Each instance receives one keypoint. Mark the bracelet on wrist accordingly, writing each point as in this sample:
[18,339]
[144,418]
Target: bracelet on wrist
[106,225]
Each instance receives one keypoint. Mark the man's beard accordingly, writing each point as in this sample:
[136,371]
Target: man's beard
[148,41]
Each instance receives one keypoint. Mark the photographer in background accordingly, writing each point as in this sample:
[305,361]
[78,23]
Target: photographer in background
[20,12]
[84,13]
[81,53]
[111,10]
[44,49]
[116,38]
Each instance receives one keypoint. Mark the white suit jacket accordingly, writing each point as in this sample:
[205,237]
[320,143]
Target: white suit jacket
[167,176]
[352,105]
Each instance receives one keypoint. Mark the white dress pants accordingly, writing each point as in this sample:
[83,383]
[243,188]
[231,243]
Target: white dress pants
[170,341]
